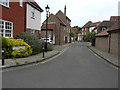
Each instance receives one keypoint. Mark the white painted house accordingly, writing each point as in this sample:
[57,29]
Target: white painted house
[33,17]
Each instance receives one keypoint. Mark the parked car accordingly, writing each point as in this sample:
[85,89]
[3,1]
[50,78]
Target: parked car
[49,41]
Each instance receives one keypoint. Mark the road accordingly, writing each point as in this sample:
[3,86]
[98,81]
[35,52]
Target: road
[77,67]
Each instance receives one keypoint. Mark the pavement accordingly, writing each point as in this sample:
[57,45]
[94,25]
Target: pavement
[106,56]
[76,67]
[33,59]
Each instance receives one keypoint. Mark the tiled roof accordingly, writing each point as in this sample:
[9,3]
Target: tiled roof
[103,33]
[76,30]
[115,26]
[94,24]
[50,26]
[107,24]
[87,24]
[33,1]
[61,21]
[115,18]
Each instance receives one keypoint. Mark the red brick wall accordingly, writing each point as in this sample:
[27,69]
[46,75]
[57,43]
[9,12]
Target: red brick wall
[15,14]
[102,43]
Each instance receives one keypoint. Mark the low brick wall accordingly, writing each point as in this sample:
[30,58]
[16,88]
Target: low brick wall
[102,43]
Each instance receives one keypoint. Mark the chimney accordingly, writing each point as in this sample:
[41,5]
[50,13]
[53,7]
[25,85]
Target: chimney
[65,10]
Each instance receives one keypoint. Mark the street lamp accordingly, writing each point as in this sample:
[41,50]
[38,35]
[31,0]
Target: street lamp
[47,12]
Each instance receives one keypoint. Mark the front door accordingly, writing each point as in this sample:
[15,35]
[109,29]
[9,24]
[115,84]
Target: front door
[65,39]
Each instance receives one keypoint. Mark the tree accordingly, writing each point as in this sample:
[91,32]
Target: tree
[90,36]
[72,34]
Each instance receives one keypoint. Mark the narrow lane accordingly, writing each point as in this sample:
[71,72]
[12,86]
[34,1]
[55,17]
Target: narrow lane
[75,68]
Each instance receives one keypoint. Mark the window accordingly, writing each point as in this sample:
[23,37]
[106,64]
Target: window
[64,38]
[4,3]
[104,28]
[33,13]
[6,28]
[21,3]
[69,30]
[64,28]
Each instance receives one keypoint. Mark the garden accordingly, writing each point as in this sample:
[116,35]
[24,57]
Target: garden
[25,44]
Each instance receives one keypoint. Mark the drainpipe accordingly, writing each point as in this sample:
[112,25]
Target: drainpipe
[59,34]
[109,42]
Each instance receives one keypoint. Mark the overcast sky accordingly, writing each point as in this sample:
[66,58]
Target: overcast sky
[82,11]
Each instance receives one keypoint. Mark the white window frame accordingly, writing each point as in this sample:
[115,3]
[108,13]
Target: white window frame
[21,3]
[64,28]
[2,3]
[4,28]
[33,13]
[64,38]
[103,28]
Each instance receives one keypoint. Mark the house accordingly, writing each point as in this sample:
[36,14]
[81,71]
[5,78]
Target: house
[93,27]
[58,28]
[107,24]
[19,17]
[77,34]
[85,29]
[110,38]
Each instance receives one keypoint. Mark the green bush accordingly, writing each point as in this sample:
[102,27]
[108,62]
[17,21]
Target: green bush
[3,42]
[32,40]
[93,41]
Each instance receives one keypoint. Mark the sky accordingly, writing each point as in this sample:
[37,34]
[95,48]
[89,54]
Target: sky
[82,11]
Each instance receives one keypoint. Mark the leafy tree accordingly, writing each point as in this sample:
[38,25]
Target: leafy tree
[72,34]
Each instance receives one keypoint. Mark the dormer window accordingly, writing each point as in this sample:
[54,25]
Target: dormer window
[4,3]
[33,13]
[104,28]
[21,3]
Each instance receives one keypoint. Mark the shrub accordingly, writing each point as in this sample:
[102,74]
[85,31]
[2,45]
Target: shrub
[9,53]
[32,40]
[17,63]
[3,42]
[93,41]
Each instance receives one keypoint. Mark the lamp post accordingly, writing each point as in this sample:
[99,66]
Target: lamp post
[47,12]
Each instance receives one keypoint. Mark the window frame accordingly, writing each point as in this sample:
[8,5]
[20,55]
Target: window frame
[21,3]
[4,28]
[4,4]
[33,13]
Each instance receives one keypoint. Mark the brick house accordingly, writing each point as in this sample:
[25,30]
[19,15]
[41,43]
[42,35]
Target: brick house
[93,27]
[110,38]
[77,34]
[107,24]
[19,16]
[58,28]
[85,29]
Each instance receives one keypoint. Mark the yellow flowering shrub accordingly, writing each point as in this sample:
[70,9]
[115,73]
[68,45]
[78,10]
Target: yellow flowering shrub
[19,52]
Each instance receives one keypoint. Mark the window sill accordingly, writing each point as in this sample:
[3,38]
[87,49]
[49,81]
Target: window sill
[32,17]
